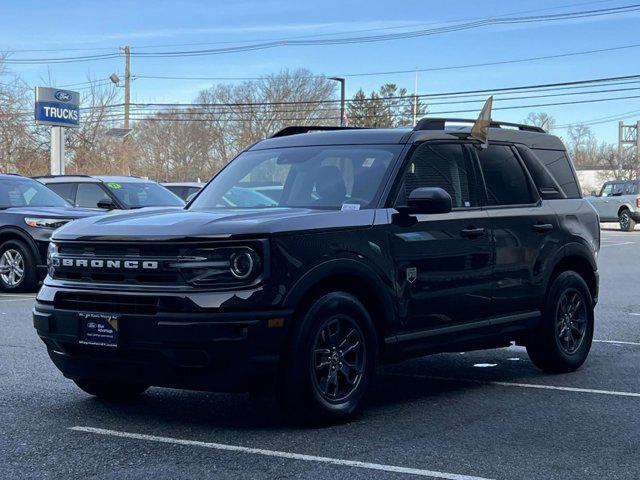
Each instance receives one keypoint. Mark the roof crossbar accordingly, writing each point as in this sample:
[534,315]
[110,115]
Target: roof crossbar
[440,123]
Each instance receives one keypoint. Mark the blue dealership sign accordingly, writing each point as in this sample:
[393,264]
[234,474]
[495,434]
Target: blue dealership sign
[56,107]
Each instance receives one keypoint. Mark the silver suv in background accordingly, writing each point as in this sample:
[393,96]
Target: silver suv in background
[618,201]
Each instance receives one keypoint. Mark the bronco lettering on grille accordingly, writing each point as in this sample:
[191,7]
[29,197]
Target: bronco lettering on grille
[106,264]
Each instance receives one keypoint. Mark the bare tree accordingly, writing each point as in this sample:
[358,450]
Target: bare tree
[195,142]
[540,119]
[20,148]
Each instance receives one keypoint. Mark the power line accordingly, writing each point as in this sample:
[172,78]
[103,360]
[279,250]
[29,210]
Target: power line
[346,40]
[397,72]
[396,27]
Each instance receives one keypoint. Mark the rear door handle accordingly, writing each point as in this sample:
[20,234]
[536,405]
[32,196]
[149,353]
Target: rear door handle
[472,232]
[543,227]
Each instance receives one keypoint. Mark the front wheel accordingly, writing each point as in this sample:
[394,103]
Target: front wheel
[112,391]
[627,224]
[330,360]
[17,267]
[564,338]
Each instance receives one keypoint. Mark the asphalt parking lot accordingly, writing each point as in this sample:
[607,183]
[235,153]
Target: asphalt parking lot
[487,415]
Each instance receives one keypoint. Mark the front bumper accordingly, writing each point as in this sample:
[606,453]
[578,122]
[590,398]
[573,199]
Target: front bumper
[211,350]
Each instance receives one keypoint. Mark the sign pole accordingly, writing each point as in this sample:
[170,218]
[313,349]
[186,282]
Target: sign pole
[57,150]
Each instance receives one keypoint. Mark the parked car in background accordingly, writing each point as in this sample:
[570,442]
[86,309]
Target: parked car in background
[618,201]
[185,190]
[111,192]
[29,213]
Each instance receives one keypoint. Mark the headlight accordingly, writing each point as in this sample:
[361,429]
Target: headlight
[221,266]
[51,251]
[241,264]
[52,223]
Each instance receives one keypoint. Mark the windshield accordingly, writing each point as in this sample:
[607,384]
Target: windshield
[143,194]
[23,192]
[334,177]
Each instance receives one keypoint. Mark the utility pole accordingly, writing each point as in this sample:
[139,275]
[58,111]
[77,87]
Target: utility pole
[415,99]
[628,139]
[342,98]
[126,170]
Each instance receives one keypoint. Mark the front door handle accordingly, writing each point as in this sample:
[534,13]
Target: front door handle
[472,232]
[543,227]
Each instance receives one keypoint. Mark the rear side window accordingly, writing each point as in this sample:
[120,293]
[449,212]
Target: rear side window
[559,165]
[546,184]
[504,177]
[631,188]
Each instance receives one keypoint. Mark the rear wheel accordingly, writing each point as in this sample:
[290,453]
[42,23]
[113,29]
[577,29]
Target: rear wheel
[330,360]
[17,267]
[563,341]
[113,391]
[627,223]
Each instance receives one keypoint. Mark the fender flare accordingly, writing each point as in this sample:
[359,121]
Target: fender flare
[25,237]
[345,266]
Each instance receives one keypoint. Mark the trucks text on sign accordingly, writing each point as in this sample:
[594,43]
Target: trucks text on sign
[57,107]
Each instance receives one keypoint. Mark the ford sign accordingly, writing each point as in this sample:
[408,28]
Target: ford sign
[62,96]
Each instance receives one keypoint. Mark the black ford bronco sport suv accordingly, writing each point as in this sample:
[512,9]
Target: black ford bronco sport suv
[384,244]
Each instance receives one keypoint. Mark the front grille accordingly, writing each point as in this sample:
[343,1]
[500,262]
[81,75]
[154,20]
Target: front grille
[90,302]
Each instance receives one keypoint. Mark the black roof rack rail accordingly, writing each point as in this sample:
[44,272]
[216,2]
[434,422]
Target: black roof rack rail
[63,175]
[439,124]
[295,130]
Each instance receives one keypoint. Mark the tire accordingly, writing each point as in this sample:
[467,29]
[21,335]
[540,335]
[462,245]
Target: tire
[111,391]
[563,340]
[627,224]
[329,362]
[17,267]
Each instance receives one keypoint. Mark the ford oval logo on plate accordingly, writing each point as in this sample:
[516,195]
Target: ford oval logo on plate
[62,96]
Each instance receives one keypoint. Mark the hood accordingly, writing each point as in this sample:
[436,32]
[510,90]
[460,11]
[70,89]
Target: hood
[220,223]
[52,212]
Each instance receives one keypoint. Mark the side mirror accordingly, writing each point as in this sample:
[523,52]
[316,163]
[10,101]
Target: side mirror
[106,204]
[428,200]
[594,193]
[190,197]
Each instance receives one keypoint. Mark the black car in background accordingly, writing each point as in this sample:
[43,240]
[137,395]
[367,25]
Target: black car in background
[384,244]
[29,213]
[111,192]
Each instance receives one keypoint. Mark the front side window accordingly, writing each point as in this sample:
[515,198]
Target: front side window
[23,192]
[307,177]
[89,194]
[504,177]
[444,165]
[607,190]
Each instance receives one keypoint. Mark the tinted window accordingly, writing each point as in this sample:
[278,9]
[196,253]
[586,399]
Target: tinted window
[444,165]
[559,165]
[632,188]
[506,181]
[618,189]
[143,194]
[65,190]
[547,185]
[89,194]
[24,192]
[310,177]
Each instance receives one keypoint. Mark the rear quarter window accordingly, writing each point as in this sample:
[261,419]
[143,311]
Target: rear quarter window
[559,165]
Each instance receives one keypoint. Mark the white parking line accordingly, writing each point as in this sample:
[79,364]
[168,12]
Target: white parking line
[520,385]
[634,314]
[616,244]
[278,454]
[618,342]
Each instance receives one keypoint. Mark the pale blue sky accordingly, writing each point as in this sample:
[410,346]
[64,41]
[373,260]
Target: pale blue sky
[34,25]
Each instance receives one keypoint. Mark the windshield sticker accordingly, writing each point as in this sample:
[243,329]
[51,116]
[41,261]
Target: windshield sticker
[114,185]
[350,207]
[368,162]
